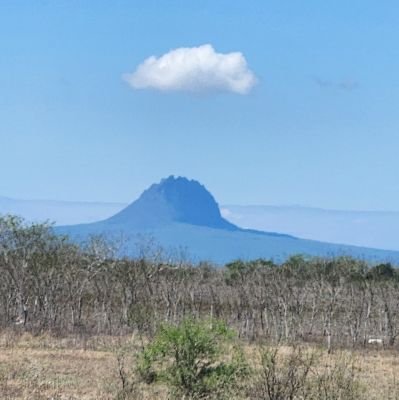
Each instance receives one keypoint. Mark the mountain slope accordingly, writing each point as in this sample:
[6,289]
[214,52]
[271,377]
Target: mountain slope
[182,213]
[379,229]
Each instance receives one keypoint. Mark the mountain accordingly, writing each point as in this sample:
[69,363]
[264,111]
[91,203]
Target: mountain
[173,200]
[181,213]
[375,229]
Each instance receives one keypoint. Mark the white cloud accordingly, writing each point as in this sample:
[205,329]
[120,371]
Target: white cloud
[194,69]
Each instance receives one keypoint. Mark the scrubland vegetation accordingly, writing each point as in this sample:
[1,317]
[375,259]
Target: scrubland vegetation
[82,323]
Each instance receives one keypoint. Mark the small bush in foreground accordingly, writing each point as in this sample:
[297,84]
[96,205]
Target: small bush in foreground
[191,359]
[301,374]
[336,381]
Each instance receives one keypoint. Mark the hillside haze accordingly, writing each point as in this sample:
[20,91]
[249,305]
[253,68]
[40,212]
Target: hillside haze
[59,212]
[181,213]
[375,229]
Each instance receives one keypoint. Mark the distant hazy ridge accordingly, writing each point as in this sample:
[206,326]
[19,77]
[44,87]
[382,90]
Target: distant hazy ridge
[361,228]
[178,212]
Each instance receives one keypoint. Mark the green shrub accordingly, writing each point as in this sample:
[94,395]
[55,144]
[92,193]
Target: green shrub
[191,359]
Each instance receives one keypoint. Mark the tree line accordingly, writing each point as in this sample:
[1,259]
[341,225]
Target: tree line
[50,284]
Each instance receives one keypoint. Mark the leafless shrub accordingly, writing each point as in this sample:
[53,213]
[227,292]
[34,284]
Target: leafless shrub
[299,374]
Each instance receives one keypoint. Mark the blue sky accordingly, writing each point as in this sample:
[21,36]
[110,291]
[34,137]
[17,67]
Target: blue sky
[319,128]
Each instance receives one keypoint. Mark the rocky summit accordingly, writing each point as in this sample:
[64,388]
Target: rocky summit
[174,200]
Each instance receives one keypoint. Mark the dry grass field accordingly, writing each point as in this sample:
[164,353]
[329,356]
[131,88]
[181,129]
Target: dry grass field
[70,368]
[44,367]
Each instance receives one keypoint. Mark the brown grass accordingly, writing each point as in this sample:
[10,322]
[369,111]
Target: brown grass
[67,368]
[44,367]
